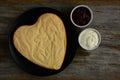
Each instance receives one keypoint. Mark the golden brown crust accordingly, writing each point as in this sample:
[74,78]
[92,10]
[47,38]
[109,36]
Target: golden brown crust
[43,43]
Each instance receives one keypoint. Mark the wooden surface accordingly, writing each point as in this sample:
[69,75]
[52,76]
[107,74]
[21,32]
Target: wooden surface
[98,2]
[100,64]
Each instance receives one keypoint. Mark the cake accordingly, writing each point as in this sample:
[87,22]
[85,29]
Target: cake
[43,43]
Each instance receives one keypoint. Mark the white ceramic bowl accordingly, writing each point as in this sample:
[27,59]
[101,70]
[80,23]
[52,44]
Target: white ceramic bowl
[86,30]
[90,18]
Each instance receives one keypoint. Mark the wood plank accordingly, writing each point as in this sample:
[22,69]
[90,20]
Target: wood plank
[96,2]
[100,64]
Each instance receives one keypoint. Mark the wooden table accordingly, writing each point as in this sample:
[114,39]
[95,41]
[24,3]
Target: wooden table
[100,64]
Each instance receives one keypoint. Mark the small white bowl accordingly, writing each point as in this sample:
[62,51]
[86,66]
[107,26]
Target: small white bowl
[91,12]
[86,30]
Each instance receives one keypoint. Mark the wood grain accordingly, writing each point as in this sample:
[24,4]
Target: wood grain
[96,2]
[100,64]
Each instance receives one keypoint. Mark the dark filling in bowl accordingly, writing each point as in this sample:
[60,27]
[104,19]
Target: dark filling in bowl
[81,16]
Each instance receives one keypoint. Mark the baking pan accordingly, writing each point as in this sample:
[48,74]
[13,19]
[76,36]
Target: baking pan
[29,17]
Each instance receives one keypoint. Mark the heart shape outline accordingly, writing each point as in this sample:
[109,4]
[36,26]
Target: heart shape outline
[26,18]
[38,42]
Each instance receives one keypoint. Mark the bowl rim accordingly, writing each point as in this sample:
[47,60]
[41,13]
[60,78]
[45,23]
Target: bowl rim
[91,12]
[99,36]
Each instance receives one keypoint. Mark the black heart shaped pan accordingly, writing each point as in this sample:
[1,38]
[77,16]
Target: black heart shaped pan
[28,18]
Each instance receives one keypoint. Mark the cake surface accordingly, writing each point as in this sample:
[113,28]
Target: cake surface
[43,43]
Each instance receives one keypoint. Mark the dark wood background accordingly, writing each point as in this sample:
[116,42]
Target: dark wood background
[100,64]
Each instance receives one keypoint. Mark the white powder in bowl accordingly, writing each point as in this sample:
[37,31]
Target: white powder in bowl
[89,39]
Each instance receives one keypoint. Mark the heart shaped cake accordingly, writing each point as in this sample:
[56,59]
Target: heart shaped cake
[43,43]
